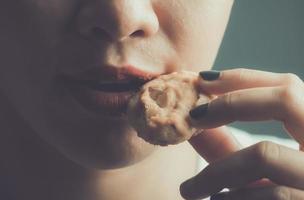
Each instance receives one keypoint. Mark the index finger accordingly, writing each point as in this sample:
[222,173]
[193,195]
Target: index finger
[213,144]
[241,78]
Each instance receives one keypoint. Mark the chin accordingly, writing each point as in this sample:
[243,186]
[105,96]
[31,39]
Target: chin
[114,151]
[89,140]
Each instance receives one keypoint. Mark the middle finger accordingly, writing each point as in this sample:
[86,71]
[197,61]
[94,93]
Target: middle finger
[283,166]
[256,104]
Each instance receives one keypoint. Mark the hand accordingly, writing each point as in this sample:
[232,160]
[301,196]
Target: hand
[250,95]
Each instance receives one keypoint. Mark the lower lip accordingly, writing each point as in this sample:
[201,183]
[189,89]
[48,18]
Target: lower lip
[111,104]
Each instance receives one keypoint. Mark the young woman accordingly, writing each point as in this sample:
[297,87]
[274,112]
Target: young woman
[61,139]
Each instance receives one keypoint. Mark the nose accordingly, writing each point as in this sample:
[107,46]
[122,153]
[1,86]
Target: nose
[117,20]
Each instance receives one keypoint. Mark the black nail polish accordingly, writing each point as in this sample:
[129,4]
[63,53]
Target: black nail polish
[186,189]
[220,196]
[199,111]
[210,75]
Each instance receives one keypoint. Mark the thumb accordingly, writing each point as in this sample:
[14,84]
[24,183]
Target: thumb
[213,144]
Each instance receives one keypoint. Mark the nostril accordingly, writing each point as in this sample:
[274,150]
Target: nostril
[138,33]
[101,34]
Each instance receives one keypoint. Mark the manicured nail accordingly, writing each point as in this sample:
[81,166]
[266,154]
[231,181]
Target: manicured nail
[210,75]
[199,111]
[220,196]
[186,189]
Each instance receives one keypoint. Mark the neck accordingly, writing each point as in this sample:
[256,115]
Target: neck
[33,169]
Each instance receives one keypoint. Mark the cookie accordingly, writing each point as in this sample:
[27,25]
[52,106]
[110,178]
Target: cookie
[159,112]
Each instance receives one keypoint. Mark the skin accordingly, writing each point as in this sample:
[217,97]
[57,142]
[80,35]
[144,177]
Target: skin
[51,145]
[62,41]
[265,170]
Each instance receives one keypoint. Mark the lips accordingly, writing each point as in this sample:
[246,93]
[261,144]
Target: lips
[107,96]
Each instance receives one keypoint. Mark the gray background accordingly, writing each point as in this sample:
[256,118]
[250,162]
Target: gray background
[266,35]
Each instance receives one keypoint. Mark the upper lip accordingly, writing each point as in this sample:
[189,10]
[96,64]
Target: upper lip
[109,78]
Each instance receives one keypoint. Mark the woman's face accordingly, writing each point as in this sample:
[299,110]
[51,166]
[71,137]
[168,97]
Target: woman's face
[68,67]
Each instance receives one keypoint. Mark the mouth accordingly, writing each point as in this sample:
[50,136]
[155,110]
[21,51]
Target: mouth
[107,97]
[111,86]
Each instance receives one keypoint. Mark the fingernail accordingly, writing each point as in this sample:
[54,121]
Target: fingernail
[199,111]
[186,189]
[210,75]
[220,196]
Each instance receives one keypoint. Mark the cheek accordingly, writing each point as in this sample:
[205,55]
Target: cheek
[27,42]
[196,29]
[31,27]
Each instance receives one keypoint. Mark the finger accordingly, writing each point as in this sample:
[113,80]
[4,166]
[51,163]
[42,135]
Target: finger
[256,104]
[260,183]
[237,79]
[262,193]
[213,144]
[281,165]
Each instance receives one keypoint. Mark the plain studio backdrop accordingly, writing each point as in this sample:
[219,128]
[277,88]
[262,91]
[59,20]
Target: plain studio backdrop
[266,35]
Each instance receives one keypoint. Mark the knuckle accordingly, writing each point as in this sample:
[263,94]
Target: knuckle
[288,93]
[228,104]
[281,193]
[242,74]
[292,79]
[227,100]
[290,96]
[266,153]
